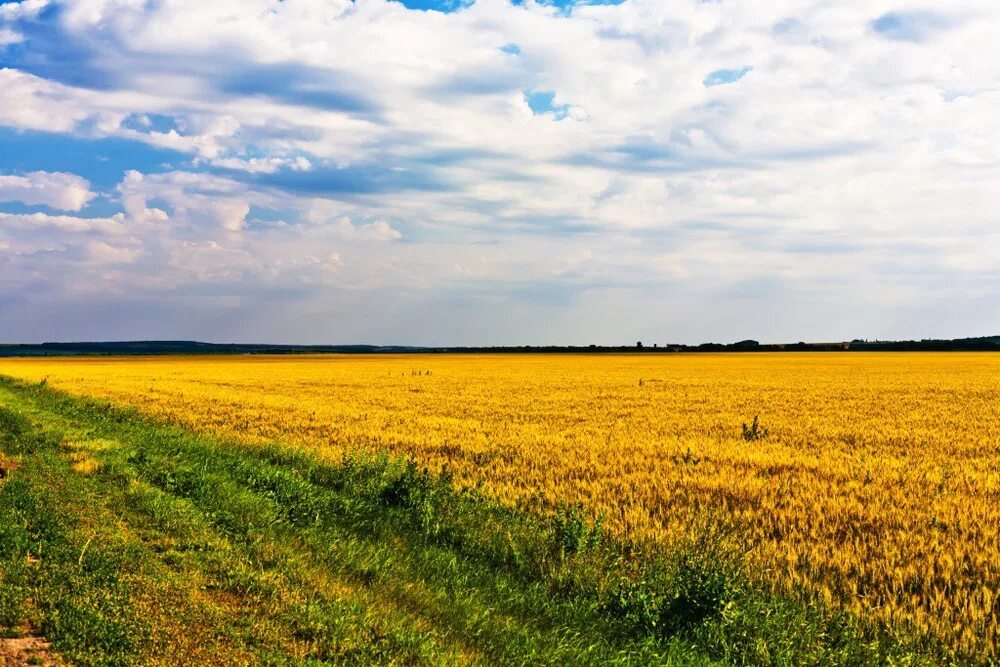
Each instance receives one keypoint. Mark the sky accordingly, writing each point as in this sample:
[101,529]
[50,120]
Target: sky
[445,172]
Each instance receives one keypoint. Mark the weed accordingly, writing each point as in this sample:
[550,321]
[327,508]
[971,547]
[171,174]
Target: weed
[409,489]
[753,432]
[572,533]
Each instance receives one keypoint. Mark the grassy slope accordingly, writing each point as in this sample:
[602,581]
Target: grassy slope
[128,542]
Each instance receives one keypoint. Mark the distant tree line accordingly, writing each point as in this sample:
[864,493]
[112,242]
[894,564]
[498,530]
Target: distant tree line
[986,343]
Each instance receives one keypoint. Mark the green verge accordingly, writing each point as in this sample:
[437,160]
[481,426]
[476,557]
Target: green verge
[125,541]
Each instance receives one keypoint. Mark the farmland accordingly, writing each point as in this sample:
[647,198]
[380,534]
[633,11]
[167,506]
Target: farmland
[870,484]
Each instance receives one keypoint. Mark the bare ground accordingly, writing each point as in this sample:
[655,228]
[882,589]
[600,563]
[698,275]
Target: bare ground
[28,650]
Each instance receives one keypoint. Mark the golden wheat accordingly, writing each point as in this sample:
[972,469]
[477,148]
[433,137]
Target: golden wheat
[877,487]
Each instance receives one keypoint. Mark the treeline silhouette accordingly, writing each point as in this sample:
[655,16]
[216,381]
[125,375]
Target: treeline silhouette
[985,343]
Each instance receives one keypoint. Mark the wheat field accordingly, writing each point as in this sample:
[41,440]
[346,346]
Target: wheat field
[872,482]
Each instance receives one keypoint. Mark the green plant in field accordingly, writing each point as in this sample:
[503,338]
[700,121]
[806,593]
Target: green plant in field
[754,432]
[572,533]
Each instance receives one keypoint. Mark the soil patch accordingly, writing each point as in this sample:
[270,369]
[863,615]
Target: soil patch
[28,650]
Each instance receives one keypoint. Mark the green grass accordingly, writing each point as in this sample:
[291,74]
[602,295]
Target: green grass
[124,541]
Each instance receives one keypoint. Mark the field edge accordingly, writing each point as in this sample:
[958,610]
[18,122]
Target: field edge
[427,574]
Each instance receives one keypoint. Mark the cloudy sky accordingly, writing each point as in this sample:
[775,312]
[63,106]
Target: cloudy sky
[450,171]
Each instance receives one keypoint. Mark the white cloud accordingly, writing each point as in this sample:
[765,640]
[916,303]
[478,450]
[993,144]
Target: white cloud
[105,253]
[229,215]
[263,165]
[380,230]
[25,9]
[63,223]
[66,192]
[32,103]
[8,37]
[198,200]
[844,158]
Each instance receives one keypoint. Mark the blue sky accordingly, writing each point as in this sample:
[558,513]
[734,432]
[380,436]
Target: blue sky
[497,172]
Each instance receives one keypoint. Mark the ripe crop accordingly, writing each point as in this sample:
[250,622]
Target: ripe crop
[868,481]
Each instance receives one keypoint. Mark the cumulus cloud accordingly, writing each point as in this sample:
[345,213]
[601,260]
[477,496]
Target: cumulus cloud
[8,37]
[198,200]
[66,192]
[24,9]
[32,103]
[268,165]
[104,253]
[67,223]
[380,230]
[668,161]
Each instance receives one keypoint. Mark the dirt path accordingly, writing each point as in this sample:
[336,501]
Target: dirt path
[28,650]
